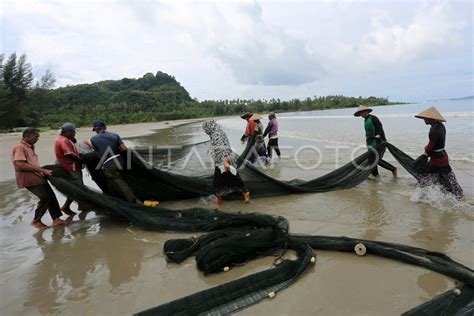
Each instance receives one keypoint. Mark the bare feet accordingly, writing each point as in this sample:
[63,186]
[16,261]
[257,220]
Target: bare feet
[38,224]
[246,197]
[67,211]
[395,173]
[58,221]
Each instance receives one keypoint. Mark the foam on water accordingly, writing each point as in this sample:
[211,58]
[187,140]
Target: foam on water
[435,196]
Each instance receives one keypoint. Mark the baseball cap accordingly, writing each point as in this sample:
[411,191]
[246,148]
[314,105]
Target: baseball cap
[68,127]
[98,123]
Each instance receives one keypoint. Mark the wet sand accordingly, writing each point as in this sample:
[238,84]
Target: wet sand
[102,267]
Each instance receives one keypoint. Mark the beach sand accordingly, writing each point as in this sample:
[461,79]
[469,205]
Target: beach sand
[98,266]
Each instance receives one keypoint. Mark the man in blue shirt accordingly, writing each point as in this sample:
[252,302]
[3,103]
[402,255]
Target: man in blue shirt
[109,147]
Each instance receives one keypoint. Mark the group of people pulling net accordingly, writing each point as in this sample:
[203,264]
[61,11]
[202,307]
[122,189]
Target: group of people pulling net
[230,239]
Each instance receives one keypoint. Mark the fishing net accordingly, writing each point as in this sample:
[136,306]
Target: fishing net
[458,301]
[150,182]
[231,239]
[411,165]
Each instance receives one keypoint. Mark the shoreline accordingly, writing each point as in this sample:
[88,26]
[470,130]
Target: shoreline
[3,133]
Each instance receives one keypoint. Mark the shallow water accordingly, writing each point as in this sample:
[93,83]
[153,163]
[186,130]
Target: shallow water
[100,266]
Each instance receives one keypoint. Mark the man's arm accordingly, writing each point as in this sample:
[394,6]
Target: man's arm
[73,156]
[268,129]
[122,146]
[379,133]
[67,147]
[27,167]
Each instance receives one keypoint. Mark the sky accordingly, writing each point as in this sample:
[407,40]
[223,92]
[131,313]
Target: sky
[406,50]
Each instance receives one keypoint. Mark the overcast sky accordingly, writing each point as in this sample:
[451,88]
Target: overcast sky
[406,50]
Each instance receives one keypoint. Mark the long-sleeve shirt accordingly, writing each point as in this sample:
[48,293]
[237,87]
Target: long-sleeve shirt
[374,133]
[272,129]
[250,128]
[435,147]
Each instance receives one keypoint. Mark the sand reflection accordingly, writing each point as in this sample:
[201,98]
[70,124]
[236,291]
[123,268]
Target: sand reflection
[75,259]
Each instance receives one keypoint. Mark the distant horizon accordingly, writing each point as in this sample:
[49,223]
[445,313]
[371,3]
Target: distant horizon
[304,97]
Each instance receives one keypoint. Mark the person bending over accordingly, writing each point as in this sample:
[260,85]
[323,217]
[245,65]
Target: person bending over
[30,175]
[226,178]
[109,147]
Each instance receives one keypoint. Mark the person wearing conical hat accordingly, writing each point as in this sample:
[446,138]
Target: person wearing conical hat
[259,146]
[374,136]
[252,121]
[439,169]
[249,128]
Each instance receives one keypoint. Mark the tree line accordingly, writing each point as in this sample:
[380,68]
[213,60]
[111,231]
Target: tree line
[153,97]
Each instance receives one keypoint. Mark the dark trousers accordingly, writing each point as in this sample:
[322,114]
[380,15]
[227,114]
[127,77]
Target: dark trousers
[76,178]
[225,183]
[47,201]
[117,184]
[382,163]
[273,144]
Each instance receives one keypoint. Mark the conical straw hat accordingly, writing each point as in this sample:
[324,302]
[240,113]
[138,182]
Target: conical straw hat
[431,113]
[246,115]
[361,109]
[255,117]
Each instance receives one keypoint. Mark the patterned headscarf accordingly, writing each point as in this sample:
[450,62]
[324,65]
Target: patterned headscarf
[220,145]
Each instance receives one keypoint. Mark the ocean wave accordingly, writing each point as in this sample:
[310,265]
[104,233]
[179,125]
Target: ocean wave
[351,116]
[233,124]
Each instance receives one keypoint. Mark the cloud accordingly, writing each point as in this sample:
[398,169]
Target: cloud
[247,49]
[274,59]
[432,31]
[236,35]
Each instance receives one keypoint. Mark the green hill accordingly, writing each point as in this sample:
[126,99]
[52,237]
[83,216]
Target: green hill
[149,98]
[146,99]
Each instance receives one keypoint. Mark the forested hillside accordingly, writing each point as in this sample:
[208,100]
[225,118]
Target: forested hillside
[153,97]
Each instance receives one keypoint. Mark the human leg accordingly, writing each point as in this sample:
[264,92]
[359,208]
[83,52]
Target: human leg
[386,165]
[455,187]
[48,202]
[112,173]
[276,147]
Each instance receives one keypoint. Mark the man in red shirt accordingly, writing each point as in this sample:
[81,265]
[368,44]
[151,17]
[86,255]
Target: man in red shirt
[30,175]
[68,158]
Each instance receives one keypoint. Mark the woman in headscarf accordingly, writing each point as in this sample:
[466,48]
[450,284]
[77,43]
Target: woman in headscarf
[226,178]
[438,169]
